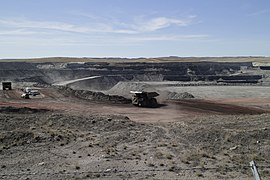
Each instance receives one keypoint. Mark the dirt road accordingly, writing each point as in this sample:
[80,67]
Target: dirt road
[169,111]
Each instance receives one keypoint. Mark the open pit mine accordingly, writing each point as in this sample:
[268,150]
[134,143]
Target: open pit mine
[113,118]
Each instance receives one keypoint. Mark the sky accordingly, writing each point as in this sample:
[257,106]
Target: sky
[134,28]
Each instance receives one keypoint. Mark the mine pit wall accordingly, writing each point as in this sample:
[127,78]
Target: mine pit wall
[48,73]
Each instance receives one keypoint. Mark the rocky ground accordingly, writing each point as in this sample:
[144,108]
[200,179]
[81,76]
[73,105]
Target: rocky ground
[46,144]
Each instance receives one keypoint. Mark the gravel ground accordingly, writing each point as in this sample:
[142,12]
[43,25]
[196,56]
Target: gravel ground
[55,145]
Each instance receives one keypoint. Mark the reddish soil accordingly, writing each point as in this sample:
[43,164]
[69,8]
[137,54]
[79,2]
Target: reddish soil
[211,107]
[170,111]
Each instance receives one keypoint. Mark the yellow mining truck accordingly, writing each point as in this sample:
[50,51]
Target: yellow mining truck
[144,99]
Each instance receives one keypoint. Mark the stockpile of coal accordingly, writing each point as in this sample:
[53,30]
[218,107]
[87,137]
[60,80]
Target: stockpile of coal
[93,96]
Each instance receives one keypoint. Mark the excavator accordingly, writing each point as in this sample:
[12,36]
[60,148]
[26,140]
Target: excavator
[144,99]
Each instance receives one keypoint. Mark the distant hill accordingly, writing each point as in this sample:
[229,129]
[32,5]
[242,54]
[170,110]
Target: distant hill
[259,59]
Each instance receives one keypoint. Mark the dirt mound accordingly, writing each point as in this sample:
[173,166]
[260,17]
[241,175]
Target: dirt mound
[47,129]
[18,138]
[118,128]
[93,96]
[26,129]
[124,88]
[24,110]
[184,95]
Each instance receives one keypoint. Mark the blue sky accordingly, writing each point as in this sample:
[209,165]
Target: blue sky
[134,28]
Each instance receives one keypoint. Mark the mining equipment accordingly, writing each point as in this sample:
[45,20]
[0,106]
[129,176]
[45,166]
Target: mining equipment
[25,96]
[144,99]
[32,92]
[29,93]
[6,86]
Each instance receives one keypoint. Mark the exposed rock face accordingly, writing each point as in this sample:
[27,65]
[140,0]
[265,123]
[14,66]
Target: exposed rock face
[174,71]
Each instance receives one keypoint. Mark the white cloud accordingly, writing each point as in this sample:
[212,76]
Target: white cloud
[30,24]
[139,24]
[62,26]
[94,32]
[168,38]
[97,25]
[17,32]
[161,23]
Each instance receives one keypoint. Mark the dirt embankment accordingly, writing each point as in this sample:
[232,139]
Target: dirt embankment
[93,96]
